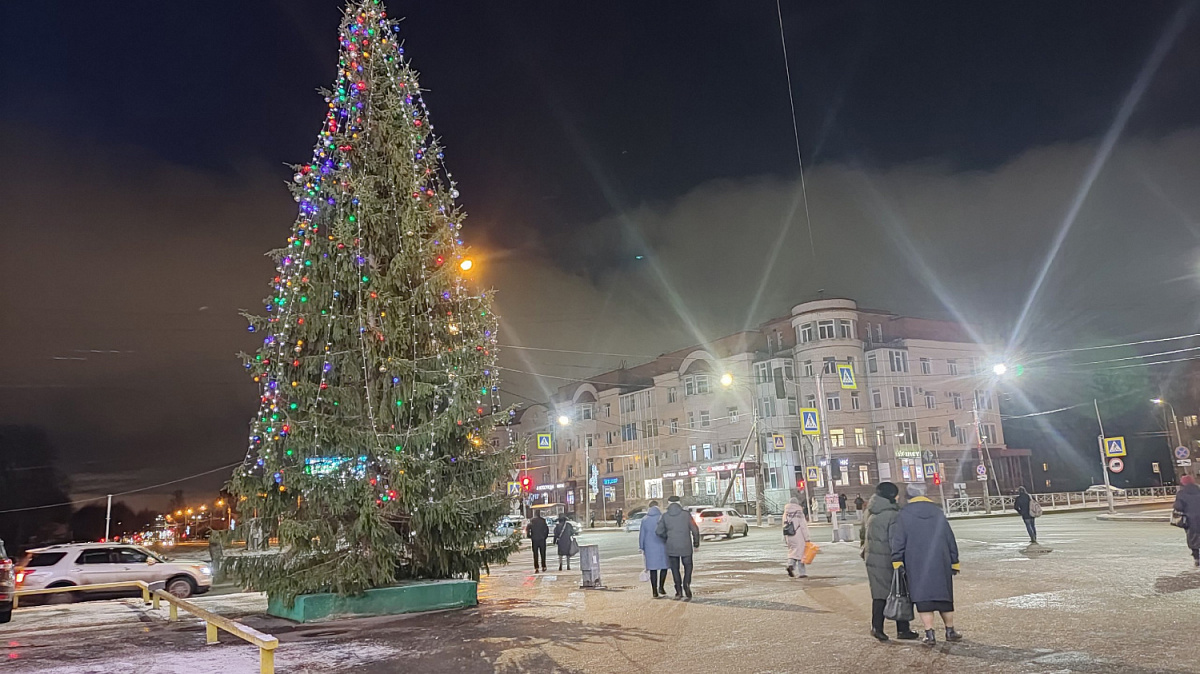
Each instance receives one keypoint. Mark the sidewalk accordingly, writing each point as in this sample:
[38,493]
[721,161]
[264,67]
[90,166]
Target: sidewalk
[1147,516]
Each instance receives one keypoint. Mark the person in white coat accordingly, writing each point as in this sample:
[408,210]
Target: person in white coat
[793,514]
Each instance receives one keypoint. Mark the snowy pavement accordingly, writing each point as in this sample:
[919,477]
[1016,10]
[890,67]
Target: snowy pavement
[1095,597]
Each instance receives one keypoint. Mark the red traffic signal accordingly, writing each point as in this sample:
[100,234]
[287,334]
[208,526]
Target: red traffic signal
[527,483]
[937,479]
[800,484]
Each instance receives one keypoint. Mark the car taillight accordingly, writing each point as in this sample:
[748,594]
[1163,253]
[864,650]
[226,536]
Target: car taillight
[716,519]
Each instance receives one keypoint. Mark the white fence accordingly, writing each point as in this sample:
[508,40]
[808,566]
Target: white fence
[1060,500]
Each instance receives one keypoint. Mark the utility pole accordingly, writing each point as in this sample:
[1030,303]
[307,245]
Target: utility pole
[1103,458]
[828,455]
[107,518]
[984,455]
[587,484]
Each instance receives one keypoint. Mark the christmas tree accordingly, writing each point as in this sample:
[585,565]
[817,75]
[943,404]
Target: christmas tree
[368,456]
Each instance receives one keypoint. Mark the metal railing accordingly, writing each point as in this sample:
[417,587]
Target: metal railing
[1059,500]
[155,595]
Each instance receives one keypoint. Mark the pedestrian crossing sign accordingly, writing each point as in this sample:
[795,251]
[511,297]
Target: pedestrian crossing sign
[778,442]
[810,424]
[1114,446]
[846,376]
[544,441]
[813,472]
[514,488]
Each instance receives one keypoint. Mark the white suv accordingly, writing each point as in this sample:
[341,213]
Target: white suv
[722,522]
[92,563]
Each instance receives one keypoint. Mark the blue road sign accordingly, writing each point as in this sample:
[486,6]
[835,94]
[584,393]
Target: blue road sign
[544,441]
[846,376]
[810,423]
[1114,446]
[1182,453]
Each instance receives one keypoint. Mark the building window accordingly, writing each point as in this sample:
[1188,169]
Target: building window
[588,439]
[762,373]
[902,396]
[628,404]
[672,394]
[608,438]
[650,428]
[674,427]
[808,368]
[583,412]
[860,437]
[854,402]
[907,432]
[707,447]
[843,473]
[722,448]
[701,384]
[629,432]
[989,433]
[837,437]
[789,372]
[608,466]
[825,330]
[768,407]
[845,329]
[864,475]
[962,435]
[705,419]
[732,413]
[1190,420]
[957,398]
[689,386]
[805,333]
[898,361]
[983,400]
[691,419]
[737,447]
[951,366]
[880,436]
[935,435]
[793,406]
[772,477]
[830,365]
[693,452]
[810,400]
[833,402]
[926,366]
[911,470]
[953,429]
[872,363]
[931,400]
[876,399]
[710,484]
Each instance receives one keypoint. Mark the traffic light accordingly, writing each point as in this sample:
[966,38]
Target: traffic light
[800,484]
[937,479]
[526,483]
[523,457]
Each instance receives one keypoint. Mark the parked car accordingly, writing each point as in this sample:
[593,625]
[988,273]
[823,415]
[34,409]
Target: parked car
[1099,489]
[722,522]
[91,563]
[8,585]
[634,523]
[509,524]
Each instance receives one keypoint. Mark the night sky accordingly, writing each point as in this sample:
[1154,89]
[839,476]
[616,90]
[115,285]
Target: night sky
[945,143]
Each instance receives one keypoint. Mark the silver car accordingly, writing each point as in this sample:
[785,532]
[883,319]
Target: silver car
[82,564]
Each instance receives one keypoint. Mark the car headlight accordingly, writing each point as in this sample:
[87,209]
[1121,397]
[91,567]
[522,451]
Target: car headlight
[206,570]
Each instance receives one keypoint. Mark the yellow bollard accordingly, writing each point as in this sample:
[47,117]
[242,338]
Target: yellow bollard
[155,602]
[210,632]
[174,613]
[16,601]
[145,594]
[266,661]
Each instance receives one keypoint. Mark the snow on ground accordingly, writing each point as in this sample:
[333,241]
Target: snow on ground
[224,659]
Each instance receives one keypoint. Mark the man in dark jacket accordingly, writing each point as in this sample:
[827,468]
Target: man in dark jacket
[682,536]
[1021,505]
[923,543]
[1187,502]
[842,503]
[538,531]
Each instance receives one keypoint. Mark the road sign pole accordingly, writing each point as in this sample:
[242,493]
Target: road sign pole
[828,456]
[1103,458]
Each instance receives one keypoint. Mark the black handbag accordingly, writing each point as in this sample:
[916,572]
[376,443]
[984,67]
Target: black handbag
[1179,519]
[789,529]
[899,606]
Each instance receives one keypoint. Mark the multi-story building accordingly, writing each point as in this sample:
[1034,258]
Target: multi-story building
[681,424]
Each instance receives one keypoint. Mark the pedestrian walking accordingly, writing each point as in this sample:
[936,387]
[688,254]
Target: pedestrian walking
[1022,504]
[1187,504]
[876,537]
[923,543]
[620,517]
[654,550]
[842,502]
[682,536]
[538,531]
[593,520]
[859,502]
[793,520]
[564,538]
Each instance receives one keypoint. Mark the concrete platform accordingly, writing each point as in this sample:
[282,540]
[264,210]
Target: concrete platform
[409,597]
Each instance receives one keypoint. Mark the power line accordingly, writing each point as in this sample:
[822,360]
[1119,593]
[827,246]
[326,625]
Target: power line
[124,493]
[1114,346]
[787,69]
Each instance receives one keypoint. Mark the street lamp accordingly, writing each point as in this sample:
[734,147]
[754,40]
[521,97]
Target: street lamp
[999,369]
[563,420]
[727,380]
[1178,435]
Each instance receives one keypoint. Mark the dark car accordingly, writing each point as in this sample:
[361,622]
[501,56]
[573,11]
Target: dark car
[8,585]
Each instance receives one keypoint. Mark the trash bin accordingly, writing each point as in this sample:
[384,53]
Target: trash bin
[589,563]
[843,533]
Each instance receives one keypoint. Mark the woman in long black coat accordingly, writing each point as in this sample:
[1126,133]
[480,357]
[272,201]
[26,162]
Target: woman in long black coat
[876,537]
[923,543]
[1187,501]
[564,537]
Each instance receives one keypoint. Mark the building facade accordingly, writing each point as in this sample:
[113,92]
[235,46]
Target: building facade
[711,422]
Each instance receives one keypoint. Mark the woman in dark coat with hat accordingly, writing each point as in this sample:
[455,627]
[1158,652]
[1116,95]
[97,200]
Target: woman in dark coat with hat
[1187,502]
[564,538]
[876,535]
[923,543]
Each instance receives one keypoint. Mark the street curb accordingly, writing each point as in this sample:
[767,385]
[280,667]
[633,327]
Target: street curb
[1133,518]
[1047,511]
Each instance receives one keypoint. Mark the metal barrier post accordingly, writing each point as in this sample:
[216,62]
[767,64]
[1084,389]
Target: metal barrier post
[154,600]
[210,633]
[266,661]
[173,612]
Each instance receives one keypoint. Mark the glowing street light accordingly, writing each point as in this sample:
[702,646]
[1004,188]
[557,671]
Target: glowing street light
[726,380]
[563,420]
[999,369]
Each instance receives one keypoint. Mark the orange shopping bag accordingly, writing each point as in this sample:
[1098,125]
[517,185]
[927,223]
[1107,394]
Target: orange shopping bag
[810,552]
